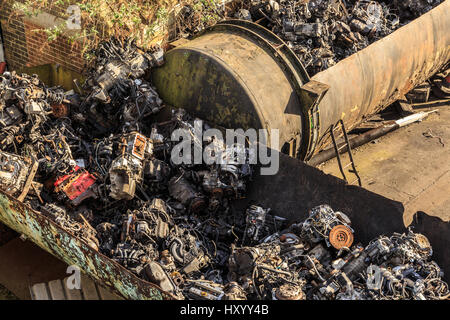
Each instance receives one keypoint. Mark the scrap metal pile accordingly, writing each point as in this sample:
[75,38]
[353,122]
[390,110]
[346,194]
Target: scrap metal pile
[315,259]
[100,166]
[323,32]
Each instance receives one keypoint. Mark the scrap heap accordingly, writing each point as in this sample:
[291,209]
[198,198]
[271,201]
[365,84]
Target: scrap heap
[102,167]
[323,32]
[315,259]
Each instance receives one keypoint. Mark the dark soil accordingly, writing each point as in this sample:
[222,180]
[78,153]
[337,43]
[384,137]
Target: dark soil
[5,294]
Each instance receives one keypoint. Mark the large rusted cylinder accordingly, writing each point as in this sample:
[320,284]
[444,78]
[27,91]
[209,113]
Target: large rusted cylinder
[237,75]
[240,75]
[380,74]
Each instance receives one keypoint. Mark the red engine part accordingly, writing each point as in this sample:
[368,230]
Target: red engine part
[2,67]
[76,186]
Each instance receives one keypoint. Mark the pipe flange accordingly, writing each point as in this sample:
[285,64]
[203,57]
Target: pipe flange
[341,236]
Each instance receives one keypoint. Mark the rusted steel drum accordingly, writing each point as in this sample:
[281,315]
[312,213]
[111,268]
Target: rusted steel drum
[238,76]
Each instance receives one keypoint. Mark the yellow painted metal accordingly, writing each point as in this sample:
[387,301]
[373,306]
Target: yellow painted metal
[55,75]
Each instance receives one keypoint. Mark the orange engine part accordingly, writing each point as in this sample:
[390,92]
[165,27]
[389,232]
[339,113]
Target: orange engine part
[341,236]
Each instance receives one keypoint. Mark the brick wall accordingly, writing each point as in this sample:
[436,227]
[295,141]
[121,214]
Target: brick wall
[60,51]
[13,37]
[26,46]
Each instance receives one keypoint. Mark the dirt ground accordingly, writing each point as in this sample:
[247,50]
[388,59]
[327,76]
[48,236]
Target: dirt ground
[407,166]
[23,264]
[5,294]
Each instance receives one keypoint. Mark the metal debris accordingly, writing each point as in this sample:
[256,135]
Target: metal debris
[300,264]
[16,174]
[104,173]
[323,32]
[116,89]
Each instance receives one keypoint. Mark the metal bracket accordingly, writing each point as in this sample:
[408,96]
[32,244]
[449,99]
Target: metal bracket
[313,92]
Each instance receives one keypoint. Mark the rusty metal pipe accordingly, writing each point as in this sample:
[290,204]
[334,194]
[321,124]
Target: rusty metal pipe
[373,78]
[238,74]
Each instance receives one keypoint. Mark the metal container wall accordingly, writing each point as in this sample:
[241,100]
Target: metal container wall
[70,249]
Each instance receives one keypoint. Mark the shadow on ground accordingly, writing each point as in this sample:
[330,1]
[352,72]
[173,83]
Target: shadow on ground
[5,294]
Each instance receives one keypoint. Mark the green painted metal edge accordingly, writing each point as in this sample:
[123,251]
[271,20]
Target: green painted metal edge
[74,251]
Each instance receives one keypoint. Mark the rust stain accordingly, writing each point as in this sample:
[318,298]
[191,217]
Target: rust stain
[74,251]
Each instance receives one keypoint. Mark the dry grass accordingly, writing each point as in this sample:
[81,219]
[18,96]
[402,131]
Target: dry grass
[143,20]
